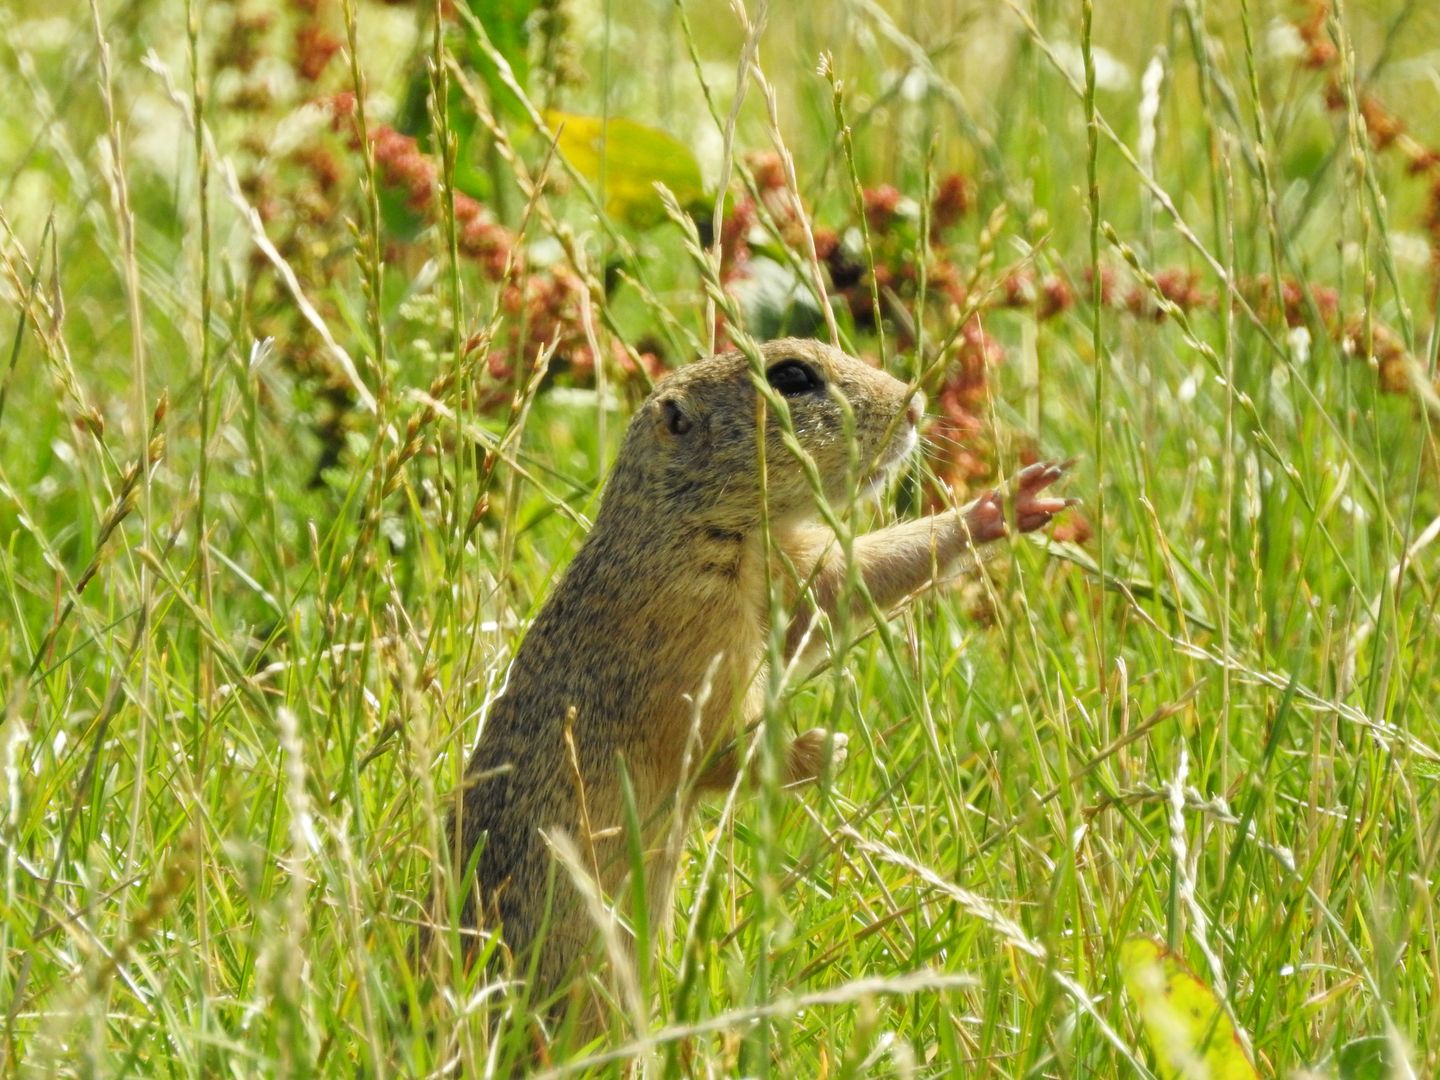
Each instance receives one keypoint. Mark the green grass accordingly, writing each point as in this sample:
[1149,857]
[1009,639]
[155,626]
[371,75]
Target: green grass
[250,622]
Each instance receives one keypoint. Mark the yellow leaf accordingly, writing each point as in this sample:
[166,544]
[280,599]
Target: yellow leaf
[1191,1035]
[633,157]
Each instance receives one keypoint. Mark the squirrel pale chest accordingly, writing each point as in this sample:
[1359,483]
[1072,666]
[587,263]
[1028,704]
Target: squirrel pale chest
[710,652]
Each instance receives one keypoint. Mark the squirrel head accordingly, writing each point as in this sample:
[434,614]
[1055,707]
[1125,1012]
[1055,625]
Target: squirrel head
[693,450]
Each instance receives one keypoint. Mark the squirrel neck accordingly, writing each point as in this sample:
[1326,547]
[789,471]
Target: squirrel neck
[662,547]
[684,550]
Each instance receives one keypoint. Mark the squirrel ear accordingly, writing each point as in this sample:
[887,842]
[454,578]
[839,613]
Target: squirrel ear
[672,417]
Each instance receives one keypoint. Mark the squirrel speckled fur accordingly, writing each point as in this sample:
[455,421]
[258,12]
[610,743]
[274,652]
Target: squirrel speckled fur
[669,595]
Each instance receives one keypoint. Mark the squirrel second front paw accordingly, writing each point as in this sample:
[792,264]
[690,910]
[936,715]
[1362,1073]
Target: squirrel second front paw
[808,752]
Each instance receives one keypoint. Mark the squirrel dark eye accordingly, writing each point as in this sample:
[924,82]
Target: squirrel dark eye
[676,422]
[792,378]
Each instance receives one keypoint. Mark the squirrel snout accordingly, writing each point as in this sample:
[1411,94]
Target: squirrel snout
[916,409]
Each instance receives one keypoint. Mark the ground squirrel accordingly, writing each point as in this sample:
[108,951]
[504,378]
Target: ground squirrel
[668,594]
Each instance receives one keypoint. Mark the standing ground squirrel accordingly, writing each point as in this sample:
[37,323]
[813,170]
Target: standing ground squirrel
[667,602]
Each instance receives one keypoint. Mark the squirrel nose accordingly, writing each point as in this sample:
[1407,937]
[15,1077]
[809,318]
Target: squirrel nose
[916,409]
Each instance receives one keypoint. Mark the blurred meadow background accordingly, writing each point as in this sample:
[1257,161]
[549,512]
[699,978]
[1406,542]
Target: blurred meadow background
[321,323]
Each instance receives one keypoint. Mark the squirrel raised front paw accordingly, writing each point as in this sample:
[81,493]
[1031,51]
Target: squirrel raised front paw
[805,762]
[985,518]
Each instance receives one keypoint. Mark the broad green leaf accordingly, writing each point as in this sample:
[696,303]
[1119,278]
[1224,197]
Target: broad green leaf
[1368,1058]
[507,25]
[633,157]
[1190,1034]
[775,301]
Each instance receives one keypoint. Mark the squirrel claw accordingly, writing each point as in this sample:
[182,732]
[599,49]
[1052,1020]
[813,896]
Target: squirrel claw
[1031,511]
[986,516]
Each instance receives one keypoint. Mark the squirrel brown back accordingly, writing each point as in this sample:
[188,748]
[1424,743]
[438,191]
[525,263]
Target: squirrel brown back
[668,597]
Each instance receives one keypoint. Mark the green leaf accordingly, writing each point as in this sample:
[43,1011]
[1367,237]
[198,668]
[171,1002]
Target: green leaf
[776,302]
[1190,1034]
[1368,1058]
[506,26]
[633,158]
